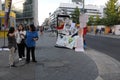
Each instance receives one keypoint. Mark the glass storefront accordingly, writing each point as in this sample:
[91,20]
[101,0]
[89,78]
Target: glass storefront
[23,10]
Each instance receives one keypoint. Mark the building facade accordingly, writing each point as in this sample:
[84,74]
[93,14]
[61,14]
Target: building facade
[68,8]
[26,11]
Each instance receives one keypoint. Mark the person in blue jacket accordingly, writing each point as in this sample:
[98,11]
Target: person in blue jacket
[31,38]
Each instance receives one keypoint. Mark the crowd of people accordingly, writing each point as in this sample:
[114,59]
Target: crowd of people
[22,39]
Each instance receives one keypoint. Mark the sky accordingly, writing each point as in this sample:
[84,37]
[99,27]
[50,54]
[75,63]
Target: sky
[49,6]
[17,3]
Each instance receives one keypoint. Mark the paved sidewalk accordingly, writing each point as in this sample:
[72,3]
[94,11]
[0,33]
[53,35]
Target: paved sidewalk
[53,64]
[60,64]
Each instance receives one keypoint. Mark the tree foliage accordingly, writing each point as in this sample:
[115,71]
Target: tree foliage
[118,13]
[75,15]
[90,21]
[97,20]
[111,13]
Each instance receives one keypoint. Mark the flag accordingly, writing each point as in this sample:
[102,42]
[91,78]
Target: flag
[0,5]
[7,11]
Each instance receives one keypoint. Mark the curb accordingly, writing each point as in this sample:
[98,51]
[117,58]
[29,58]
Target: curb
[109,36]
[106,65]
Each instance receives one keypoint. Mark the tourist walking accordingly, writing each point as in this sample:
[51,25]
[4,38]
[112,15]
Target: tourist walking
[41,30]
[11,46]
[20,39]
[31,38]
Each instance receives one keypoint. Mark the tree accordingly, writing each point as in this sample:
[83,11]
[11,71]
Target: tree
[111,12]
[97,20]
[90,21]
[102,21]
[75,15]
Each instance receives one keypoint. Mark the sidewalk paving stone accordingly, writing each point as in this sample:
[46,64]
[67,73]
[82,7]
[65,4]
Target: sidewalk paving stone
[53,64]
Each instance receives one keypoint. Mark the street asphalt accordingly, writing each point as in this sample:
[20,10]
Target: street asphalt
[60,64]
[107,45]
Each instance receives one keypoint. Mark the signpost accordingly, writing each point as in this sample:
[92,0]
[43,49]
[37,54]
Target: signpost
[7,12]
[82,1]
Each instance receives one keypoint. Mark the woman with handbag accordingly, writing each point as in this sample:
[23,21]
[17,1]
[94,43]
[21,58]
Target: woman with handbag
[20,39]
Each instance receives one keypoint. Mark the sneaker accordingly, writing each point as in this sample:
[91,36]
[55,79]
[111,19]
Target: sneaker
[34,61]
[20,59]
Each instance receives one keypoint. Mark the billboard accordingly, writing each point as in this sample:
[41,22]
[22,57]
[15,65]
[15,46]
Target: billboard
[7,11]
[0,5]
[7,5]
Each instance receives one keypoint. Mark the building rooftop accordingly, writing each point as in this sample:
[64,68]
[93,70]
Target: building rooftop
[74,5]
[90,6]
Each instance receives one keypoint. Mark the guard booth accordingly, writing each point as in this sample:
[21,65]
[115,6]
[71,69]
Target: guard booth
[12,22]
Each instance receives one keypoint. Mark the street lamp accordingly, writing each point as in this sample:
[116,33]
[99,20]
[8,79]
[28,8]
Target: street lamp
[82,1]
[83,5]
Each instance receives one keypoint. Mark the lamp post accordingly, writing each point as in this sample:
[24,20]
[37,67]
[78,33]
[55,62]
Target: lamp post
[82,1]
[83,6]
